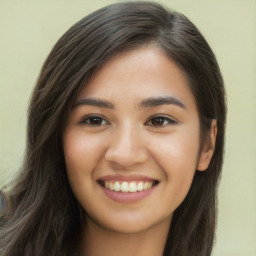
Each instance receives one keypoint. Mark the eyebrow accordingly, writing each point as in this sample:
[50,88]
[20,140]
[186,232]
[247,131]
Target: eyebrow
[150,102]
[165,100]
[94,102]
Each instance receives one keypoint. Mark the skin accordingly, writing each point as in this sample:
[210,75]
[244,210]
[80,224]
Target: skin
[126,139]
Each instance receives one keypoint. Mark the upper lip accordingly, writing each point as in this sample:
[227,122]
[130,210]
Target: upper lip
[126,178]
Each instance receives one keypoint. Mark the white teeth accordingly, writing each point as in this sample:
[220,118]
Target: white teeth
[132,187]
[125,186]
[117,186]
[111,186]
[150,184]
[140,186]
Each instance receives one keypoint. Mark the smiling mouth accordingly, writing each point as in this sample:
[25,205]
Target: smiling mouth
[127,186]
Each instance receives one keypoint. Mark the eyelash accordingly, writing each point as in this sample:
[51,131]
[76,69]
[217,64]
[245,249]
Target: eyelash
[89,119]
[163,121]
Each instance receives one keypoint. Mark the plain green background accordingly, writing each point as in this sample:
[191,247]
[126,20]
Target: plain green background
[29,29]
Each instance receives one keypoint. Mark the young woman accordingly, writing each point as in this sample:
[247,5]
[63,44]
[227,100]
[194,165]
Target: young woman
[125,141]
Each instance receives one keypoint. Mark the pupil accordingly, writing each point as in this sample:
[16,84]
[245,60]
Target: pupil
[96,121]
[158,121]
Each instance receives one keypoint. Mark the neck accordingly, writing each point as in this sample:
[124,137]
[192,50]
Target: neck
[100,241]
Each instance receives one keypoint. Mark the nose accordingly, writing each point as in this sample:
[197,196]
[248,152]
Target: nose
[126,147]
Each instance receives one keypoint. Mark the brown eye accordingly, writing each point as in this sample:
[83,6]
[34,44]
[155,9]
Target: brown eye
[94,121]
[159,121]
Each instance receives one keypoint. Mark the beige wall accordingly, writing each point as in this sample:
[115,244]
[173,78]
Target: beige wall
[28,30]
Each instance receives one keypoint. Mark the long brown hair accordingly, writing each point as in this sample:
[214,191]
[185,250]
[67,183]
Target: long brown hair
[45,217]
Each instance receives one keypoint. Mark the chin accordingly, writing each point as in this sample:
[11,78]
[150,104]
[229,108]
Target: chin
[131,223]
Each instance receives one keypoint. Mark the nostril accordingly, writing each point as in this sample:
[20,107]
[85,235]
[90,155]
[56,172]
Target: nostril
[126,158]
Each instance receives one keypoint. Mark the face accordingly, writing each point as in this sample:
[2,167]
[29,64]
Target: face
[131,143]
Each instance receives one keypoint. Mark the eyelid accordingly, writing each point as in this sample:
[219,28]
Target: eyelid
[85,118]
[171,120]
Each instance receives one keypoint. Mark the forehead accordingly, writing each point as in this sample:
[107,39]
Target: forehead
[138,74]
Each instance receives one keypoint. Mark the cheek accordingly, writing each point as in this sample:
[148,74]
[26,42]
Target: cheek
[176,152]
[177,156]
[82,153]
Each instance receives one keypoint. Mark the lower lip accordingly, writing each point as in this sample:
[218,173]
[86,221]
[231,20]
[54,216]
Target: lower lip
[128,197]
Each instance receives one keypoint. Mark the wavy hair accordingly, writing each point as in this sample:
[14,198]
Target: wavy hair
[44,217]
